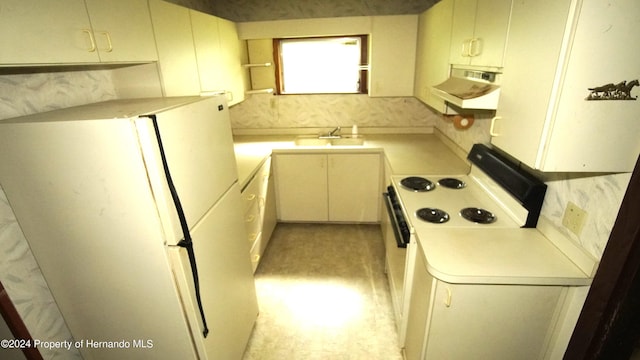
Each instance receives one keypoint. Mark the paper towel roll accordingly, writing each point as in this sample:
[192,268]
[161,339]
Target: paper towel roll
[463,122]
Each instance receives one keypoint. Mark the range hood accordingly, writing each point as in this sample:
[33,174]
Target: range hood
[470,89]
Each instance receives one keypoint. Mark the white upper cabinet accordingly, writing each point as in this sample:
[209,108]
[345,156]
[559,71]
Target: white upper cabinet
[176,54]
[231,59]
[479,32]
[393,55]
[44,32]
[218,53]
[122,30]
[434,37]
[70,31]
[556,52]
[206,38]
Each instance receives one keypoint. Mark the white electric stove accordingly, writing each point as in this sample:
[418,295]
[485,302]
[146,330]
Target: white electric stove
[494,194]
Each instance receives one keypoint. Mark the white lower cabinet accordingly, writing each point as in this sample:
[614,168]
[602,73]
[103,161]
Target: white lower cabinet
[343,187]
[301,185]
[259,211]
[478,321]
[354,187]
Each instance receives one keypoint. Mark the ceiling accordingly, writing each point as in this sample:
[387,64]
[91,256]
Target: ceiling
[263,10]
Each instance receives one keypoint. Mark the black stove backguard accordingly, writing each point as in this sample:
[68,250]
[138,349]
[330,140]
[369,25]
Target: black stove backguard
[526,188]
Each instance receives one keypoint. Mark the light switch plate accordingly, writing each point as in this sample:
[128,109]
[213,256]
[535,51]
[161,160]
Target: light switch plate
[574,218]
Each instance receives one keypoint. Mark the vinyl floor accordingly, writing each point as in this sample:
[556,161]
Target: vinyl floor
[323,294]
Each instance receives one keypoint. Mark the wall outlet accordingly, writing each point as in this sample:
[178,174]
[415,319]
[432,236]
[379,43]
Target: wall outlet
[574,218]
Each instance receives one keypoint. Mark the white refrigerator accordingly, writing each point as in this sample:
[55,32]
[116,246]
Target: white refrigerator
[139,270]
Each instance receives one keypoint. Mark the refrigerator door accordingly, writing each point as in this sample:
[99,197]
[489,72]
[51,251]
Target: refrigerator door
[80,192]
[226,280]
[198,145]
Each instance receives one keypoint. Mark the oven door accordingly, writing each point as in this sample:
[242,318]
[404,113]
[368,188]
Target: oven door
[395,260]
[397,221]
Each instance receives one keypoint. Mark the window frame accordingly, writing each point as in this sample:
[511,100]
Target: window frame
[363,87]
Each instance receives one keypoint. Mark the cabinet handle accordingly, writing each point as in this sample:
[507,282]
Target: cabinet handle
[252,237]
[250,218]
[109,44]
[473,49]
[493,124]
[447,300]
[92,41]
[465,52]
[250,197]
[256,258]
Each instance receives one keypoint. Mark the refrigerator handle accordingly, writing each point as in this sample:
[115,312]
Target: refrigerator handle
[187,242]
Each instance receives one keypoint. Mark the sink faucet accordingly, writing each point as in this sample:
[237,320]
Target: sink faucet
[333,134]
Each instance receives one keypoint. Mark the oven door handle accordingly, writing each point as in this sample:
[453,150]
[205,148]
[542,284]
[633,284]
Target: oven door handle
[394,221]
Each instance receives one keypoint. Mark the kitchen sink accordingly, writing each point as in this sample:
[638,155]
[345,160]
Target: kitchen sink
[343,140]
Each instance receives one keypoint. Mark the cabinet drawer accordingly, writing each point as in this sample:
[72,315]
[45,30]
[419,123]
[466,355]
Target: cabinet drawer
[256,253]
[262,177]
[253,222]
[250,195]
[257,187]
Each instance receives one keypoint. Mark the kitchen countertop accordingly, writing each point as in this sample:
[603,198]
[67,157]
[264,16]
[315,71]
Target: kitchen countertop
[465,255]
[407,154]
[498,256]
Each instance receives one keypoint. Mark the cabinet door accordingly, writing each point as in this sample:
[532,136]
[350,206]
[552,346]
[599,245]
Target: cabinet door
[270,216]
[602,135]
[176,54]
[233,80]
[490,32]
[354,187]
[514,318]
[393,49]
[525,96]
[206,38]
[479,32]
[45,32]
[464,17]
[432,62]
[122,30]
[420,298]
[302,187]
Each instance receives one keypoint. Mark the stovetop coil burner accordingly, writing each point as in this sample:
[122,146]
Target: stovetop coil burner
[416,183]
[452,183]
[477,215]
[433,215]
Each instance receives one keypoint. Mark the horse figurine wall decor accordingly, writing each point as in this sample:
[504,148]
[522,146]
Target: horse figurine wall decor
[620,91]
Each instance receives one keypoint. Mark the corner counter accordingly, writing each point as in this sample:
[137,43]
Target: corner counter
[406,154]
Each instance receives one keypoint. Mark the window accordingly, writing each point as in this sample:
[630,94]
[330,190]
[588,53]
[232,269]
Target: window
[322,65]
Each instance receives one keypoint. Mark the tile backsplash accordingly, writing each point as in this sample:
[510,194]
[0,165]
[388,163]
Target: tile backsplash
[599,195]
[265,111]
[23,94]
